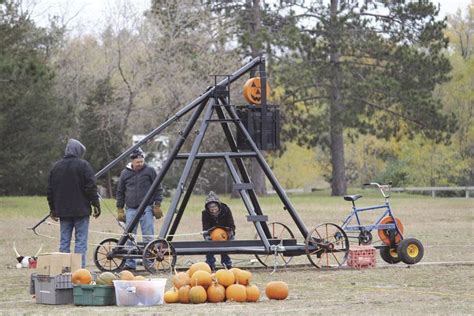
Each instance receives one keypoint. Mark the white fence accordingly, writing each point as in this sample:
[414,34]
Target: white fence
[433,190]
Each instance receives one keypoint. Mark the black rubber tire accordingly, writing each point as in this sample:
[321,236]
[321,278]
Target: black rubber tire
[387,255]
[410,250]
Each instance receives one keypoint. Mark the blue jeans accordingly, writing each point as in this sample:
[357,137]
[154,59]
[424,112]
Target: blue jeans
[225,259]
[80,225]
[146,224]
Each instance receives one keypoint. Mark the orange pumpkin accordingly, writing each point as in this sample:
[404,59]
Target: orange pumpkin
[171,296]
[81,276]
[236,293]
[276,290]
[225,277]
[199,266]
[197,295]
[126,275]
[218,234]
[180,279]
[183,294]
[243,277]
[216,293]
[253,293]
[202,278]
[253,91]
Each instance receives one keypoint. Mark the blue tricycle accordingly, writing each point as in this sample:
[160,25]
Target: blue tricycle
[394,247]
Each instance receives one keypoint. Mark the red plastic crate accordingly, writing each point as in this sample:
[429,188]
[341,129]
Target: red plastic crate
[361,257]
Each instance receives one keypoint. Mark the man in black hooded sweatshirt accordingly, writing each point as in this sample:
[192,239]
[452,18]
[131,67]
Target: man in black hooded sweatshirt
[71,192]
[217,214]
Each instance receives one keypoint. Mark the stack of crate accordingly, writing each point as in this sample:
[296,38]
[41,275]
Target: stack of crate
[361,257]
[55,290]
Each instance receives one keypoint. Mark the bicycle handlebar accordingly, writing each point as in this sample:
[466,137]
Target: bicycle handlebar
[381,187]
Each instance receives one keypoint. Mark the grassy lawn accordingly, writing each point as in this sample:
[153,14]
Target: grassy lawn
[442,283]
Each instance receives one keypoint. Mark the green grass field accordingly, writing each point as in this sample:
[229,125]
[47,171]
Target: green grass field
[442,283]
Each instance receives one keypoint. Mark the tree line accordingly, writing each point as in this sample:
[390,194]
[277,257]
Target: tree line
[374,90]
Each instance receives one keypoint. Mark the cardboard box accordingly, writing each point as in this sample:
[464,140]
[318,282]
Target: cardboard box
[57,262]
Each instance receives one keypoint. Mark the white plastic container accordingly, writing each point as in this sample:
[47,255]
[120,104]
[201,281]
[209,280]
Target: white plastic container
[139,293]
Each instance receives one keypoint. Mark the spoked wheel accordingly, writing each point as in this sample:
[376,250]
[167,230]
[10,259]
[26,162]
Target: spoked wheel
[279,231]
[103,259]
[327,246]
[159,256]
[389,255]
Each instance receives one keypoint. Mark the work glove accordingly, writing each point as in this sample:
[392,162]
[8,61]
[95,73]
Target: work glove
[157,211]
[95,208]
[121,215]
[206,235]
[230,233]
[53,216]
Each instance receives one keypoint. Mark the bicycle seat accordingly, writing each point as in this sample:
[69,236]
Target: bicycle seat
[352,197]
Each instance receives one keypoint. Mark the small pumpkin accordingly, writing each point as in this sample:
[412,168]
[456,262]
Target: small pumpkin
[180,279]
[202,278]
[216,293]
[219,234]
[171,296]
[253,293]
[243,277]
[106,278]
[277,290]
[199,266]
[225,277]
[81,276]
[183,294]
[236,293]
[197,295]
[139,278]
[126,275]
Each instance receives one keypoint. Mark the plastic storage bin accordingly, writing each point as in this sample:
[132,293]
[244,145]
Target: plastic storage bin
[93,295]
[139,293]
[55,290]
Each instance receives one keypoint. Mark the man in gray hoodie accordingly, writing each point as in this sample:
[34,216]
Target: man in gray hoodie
[71,192]
[134,183]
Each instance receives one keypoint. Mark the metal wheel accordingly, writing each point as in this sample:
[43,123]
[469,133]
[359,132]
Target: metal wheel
[327,246]
[279,231]
[389,255]
[410,250]
[103,259]
[159,256]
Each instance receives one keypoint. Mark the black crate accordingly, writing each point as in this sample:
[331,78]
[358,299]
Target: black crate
[251,117]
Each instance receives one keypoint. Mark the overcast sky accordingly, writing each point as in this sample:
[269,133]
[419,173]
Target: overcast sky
[90,15]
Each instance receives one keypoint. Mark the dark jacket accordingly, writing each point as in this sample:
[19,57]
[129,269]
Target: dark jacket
[134,185]
[71,183]
[224,218]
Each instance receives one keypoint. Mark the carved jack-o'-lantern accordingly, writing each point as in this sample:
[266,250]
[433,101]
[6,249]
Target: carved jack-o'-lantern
[253,91]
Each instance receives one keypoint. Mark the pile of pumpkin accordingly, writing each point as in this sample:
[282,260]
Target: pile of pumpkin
[84,276]
[199,285]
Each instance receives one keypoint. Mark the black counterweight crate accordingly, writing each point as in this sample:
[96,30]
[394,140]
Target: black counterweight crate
[251,117]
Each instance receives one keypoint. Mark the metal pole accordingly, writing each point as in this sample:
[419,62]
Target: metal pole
[186,197]
[268,172]
[161,175]
[187,168]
